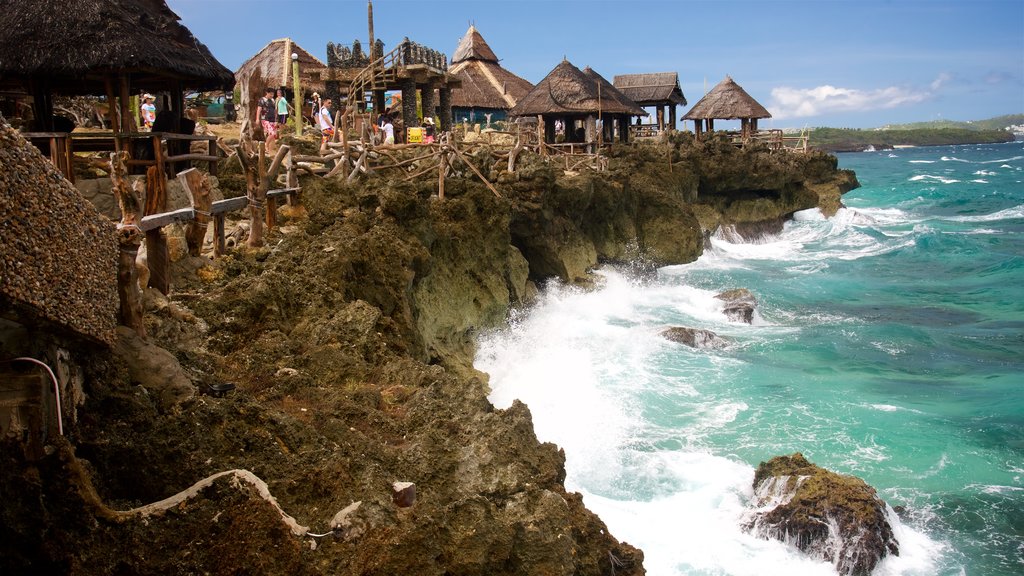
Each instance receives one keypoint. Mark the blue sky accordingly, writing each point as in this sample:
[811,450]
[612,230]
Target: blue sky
[811,63]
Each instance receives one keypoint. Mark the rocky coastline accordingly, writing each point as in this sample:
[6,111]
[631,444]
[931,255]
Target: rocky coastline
[350,341]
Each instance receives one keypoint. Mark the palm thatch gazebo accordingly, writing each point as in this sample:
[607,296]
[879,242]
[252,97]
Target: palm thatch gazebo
[573,97]
[659,89]
[487,88]
[271,67]
[102,47]
[727,101]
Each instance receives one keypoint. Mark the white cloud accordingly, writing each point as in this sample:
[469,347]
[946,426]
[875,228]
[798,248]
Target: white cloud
[804,102]
[939,81]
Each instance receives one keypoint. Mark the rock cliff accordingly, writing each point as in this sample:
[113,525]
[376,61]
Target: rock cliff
[350,341]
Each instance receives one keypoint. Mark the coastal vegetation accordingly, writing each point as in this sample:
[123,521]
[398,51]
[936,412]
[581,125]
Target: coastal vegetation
[856,140]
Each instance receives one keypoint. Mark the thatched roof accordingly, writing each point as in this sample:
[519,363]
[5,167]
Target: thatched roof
[568,90]
[58,255]
[727,101]
[74,45]
[274,61]
[485,84]
[473,47]
[651,89]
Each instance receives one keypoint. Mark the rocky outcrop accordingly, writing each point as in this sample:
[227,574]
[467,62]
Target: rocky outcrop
[740,304]
[836,518]
[350,342]
[693,337]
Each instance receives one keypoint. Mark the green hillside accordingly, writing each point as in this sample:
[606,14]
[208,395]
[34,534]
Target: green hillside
[934,133]
[997,123]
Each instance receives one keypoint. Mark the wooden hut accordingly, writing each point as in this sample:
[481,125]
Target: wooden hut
[486,87]
[273,65]
[115,48]
[659,90]
[573,97]
[727,101]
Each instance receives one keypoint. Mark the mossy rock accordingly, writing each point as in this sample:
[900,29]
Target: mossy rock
[828,516]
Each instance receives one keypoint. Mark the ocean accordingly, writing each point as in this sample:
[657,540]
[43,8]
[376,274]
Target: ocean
[888,344]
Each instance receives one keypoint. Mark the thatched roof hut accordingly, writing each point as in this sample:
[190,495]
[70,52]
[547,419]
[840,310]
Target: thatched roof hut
[58,255]
[112,47]
[568,90]
[727,101]
[486,87]
[74,46]
[658,89]
[274,63]
[651,89]
[569,95]
[472,46]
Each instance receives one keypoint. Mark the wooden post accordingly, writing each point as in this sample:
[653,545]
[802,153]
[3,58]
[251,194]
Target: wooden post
[442,165]
[112,110]
[197,187]
[661,117]
[672,116]
[129,238]
[253,179]
[127,114]
[297,96]
[156,245]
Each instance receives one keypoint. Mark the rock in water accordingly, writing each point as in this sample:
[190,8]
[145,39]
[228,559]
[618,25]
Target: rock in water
[693,337]
[826,515]
[739,304]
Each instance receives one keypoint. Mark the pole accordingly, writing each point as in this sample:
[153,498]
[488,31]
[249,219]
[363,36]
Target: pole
[298,94]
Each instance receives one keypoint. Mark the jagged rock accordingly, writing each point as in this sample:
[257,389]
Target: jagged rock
[693,337]
[403,494]
[153,368]
[739,304]
[826,515]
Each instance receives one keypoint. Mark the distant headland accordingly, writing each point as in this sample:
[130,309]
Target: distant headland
[935,133]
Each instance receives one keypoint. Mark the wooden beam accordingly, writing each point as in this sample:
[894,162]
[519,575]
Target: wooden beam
[228,205]
[154,222]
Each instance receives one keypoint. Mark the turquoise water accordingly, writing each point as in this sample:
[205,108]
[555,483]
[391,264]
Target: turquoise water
[889,344]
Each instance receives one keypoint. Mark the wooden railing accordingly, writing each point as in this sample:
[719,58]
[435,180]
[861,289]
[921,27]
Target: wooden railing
[774,138]
[62,147]
[644,131]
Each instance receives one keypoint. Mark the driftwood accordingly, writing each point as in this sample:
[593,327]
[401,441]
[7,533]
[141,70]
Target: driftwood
[253,181]
[197,187]
[234,238]
[129,237]
[156,245]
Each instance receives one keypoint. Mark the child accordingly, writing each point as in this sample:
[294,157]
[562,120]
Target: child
[282,109]
[148,112]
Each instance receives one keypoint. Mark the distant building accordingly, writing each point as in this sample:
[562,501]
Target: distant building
[576,99]
[273,64]
[486,88]
[659,90]
[727,101]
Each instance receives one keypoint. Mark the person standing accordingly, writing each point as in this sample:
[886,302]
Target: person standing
[268,117]
[282,109]
[428,130]
[148,112]
[389,131]
[326,124]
